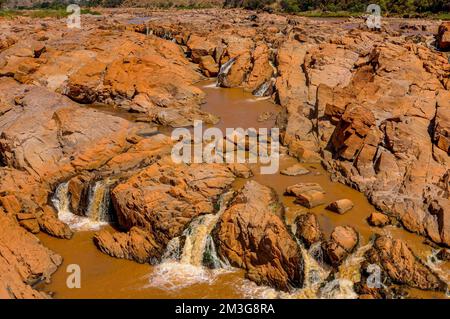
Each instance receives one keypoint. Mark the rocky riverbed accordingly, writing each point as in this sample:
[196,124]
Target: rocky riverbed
[85,122]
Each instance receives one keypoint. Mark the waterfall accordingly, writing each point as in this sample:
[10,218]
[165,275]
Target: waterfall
[263,88]
[437,266]
[349,272]
[338,289]
[198,243]
[350,268]
[210,257]
[99,202]
[223,72]
[95,215]
[182,267]
[61,202]
[314,273]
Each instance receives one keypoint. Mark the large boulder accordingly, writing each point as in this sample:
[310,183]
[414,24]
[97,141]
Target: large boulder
[158,202]
[400,264]
[137,244]
[379,136]
[262,70]
[308,229]
[307,194]
[57,137]
[23,261]
[294,170]
[342,242]
[341,206]
[443,36]
[251,235]
[200,47]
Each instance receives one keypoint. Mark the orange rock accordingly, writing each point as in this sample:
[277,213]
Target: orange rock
[10,204]
[443,36]
[341,206]
[23,262]
[308,229]
[31,225]
[164,197]
[251,235]
[310,198]
[50,224]
[137,244]
[209,66]
[342,242]
[199,47]
[378,219]
[262,70]
[402,266]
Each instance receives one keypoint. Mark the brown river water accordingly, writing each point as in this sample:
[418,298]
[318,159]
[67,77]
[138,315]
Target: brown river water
[106,277]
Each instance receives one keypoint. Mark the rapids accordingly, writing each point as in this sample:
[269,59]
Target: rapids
[190,267]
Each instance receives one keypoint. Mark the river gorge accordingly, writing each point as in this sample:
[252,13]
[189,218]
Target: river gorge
[86,118]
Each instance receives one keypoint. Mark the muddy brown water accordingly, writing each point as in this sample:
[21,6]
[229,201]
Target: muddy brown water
[106,277]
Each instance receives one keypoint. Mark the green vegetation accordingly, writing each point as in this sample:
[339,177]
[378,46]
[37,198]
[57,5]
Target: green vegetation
[328,14]
[344,8]
[443,16]
[43,13]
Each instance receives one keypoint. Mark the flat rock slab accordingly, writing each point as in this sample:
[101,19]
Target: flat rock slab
[307,194]
[294,170]
[300,188]
[310,199]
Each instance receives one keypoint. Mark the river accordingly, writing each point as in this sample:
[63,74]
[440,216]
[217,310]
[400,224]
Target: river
[107,277]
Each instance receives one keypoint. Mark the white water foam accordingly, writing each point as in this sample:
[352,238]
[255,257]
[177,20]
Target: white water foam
[75,222]
[435,265]
[211,86]
[338,289]
[174,275]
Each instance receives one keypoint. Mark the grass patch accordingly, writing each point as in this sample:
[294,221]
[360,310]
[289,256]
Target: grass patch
[329,14]
[43,13]
[443,16]
[9,13]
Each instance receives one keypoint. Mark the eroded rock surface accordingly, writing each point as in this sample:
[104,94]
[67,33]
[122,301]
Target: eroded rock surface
[443,37]
[342,242]
[308,229]
[23,261]
[162,200]
[401,265]
[251,235]
[373,107]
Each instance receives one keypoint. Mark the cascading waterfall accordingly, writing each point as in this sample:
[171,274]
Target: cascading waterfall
[61,201]
[264,88]
[181,267]
[315,285]
[99,202]
[197,238]
[223,72]
[435,265]
[97,213]
[338,289]
[348,273]
[211,258]
[314,274]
